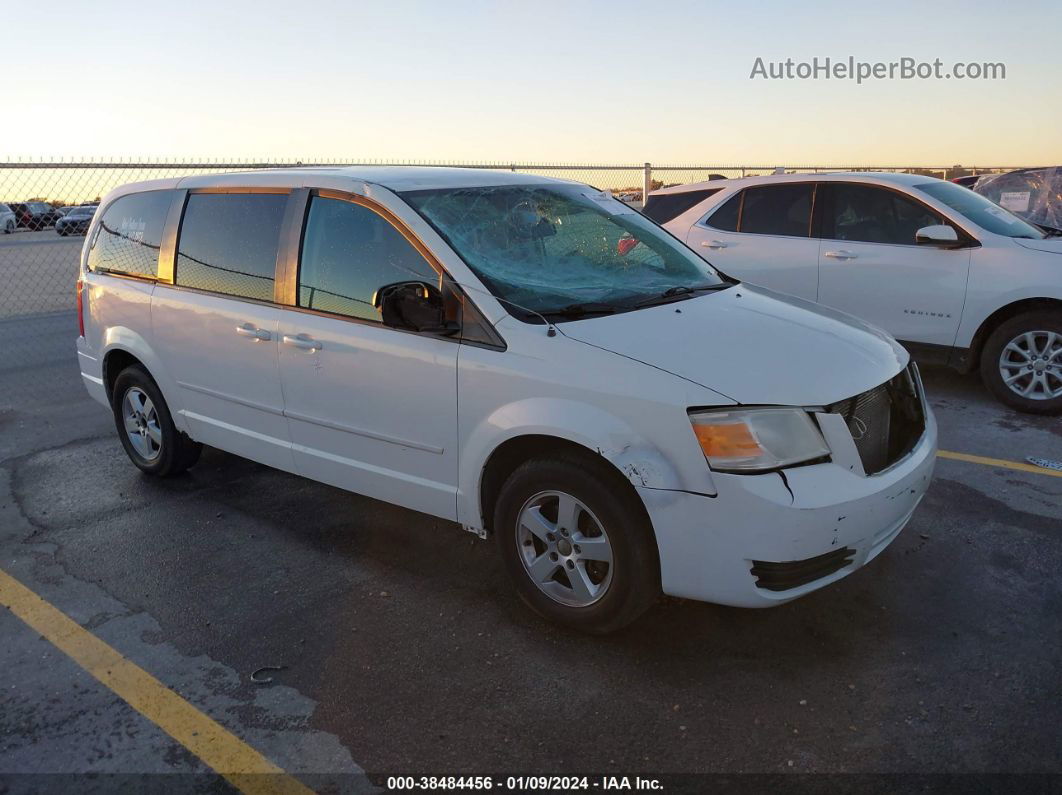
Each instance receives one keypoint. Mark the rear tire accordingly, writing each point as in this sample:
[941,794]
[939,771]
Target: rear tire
[558,570]
[1027,351]
[145,426]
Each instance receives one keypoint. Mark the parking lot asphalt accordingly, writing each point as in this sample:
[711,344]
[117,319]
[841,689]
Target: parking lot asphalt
[404,650]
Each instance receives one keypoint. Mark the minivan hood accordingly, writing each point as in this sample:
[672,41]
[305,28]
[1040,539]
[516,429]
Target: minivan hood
[753,345]
[1052,245]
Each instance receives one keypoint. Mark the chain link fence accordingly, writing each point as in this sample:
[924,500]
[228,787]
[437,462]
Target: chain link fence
[45,208]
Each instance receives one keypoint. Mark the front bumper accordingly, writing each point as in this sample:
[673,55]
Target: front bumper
[710,545]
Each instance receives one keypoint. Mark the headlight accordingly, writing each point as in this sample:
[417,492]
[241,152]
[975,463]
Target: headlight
[755,440]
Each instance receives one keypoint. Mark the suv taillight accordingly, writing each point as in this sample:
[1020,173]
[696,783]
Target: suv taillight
[80,308]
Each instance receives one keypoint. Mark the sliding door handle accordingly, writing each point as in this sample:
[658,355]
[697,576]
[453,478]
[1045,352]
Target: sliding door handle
[303,342]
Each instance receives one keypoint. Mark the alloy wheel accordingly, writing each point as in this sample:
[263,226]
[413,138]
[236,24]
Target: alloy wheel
[142,424]
[564,549]
[1031,365]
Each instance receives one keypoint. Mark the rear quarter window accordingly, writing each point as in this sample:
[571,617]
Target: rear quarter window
[129,235]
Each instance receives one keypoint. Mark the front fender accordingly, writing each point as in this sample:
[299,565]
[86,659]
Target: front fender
[594,429]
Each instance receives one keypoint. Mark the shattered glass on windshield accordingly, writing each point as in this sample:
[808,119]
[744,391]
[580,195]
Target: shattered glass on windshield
[560,249]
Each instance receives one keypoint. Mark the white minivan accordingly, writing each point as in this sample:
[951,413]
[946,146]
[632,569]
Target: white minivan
[527,357]
[959,280]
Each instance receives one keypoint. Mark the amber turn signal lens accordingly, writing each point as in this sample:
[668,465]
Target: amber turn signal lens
[729,440]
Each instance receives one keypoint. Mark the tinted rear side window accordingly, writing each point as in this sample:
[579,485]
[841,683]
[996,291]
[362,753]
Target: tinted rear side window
[348,253]
[129,234]
[777,210]
[665,206]
[228,243]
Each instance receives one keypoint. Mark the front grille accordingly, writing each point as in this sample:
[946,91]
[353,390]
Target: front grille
[793,573]
[886,422]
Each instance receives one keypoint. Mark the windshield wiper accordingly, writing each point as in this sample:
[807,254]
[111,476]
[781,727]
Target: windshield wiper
[583,309]
[680,292]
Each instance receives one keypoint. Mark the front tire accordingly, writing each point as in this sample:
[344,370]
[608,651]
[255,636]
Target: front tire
[577,543]
[145,426]
[1022,363]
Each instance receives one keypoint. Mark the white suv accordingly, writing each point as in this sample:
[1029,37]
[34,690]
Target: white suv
[958,279]
[514,354]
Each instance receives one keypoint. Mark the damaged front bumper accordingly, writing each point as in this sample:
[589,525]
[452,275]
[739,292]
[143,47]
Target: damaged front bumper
[767,539]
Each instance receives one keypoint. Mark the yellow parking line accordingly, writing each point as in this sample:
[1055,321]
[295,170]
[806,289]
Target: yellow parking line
[1020,466]
[227,754]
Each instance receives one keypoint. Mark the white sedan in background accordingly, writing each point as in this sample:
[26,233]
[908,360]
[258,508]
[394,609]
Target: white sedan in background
[956,278]
[8,220]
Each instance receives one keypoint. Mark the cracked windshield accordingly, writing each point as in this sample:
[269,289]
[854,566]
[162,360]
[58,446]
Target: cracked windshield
[564,251]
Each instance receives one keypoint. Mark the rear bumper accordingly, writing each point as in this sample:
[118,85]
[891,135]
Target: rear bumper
[91,373]
[828,521]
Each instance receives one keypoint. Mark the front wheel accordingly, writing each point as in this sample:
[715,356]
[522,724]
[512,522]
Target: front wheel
[577,543]
[1022,363]
[145,426]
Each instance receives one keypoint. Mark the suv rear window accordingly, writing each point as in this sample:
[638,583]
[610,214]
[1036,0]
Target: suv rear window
[665,206]
[129,234]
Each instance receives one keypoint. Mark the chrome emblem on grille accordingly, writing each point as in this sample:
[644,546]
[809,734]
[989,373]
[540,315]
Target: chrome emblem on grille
[857,427]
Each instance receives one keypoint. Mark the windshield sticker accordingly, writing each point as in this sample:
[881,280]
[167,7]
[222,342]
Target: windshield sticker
[1017,201]
[1002,215]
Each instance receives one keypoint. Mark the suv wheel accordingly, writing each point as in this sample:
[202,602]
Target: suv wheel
[577,543]
[145,426]
[1022,363]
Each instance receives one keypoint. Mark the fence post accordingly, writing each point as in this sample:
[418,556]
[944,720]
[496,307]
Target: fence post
[647,183]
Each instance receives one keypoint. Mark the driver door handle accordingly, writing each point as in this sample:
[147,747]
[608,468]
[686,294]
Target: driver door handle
[714,244]
[841,254]
[302,341]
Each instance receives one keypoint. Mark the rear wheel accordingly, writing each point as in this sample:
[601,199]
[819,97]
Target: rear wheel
[145,426]
[577,543]
[1022,363]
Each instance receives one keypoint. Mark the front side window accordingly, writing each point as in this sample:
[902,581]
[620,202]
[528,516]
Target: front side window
[869,214]
[129,234]
[228,243]
[561,249]
[981,211]
[348,253]
[777,210]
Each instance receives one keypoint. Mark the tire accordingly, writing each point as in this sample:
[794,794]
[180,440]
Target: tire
[9,228]
[160,449]
[611,521]
[1026,340]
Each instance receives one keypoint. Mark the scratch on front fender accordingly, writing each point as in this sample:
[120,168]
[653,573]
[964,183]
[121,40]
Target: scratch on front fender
[639,469]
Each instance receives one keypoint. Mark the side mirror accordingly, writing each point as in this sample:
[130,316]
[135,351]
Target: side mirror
[414,306]
[938,235]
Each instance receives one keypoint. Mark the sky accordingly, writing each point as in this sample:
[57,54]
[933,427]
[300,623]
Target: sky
[588,82]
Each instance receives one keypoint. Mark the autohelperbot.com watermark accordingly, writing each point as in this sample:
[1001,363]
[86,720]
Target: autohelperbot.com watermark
[865,71]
